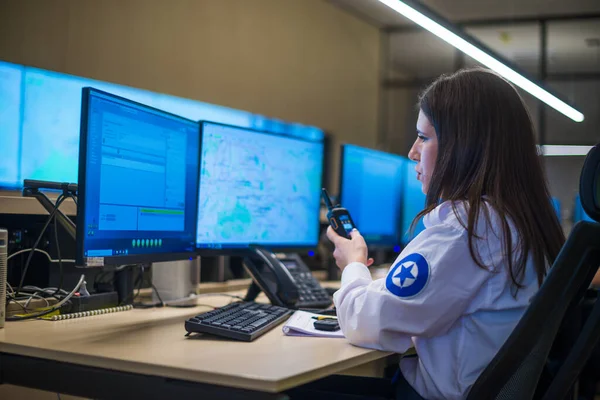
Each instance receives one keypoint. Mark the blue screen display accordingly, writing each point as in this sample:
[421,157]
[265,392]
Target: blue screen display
[141,179]
[414,203]
[346,223]
[11,81]
[372,191]
[40,112]
[258,188]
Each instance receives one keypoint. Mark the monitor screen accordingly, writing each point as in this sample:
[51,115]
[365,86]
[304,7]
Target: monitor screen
[11,77]
[138,182]
[414,203]
[51,118]
[40,117]
[258,188]
[371,189]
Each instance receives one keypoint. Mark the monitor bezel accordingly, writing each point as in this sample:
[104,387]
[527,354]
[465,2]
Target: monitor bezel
[375,245]
[81,194]
[276,248]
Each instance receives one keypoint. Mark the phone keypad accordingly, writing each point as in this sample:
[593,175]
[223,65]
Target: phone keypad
[310,292]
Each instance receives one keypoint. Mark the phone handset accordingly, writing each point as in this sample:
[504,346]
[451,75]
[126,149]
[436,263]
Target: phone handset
[338,217]
[270,276]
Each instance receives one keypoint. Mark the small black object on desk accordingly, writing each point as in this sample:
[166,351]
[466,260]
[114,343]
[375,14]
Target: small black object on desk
[327,324]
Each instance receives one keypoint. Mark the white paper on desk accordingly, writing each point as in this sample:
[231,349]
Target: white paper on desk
[301,324]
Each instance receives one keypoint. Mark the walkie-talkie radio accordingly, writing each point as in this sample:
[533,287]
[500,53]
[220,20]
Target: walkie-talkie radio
[338,217]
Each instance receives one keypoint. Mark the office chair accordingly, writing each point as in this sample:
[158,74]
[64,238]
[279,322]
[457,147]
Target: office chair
[590,334]
[515,371]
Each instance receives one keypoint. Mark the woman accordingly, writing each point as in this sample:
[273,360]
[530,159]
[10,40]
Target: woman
[459,288]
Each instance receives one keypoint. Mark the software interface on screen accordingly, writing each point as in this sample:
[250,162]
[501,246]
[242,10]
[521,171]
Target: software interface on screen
[371,189]
[414,203]
[258,188]
[141,179]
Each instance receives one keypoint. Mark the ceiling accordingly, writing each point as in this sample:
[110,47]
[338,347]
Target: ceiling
[461,10]
[420,54]
[417,53]
[573,48]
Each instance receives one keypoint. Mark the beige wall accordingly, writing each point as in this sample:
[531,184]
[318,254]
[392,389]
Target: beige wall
[299,60]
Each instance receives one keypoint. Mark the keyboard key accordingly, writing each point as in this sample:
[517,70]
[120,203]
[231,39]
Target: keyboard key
[260,322]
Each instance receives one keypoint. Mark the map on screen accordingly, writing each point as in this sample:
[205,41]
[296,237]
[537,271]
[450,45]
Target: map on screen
[257,188]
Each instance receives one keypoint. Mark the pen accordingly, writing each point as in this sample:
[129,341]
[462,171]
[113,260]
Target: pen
[322,317]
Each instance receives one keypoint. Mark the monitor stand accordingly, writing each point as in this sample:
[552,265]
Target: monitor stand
[176,282]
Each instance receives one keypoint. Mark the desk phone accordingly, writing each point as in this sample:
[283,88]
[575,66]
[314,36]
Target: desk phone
[285,279]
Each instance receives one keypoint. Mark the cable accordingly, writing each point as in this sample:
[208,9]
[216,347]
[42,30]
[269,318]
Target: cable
[160,302]
[39,251]
[59,201]
[44,290]
[60,266]
[35,295]
[122,267]
[20,305]
[140,278]
[220,294]
[54,307]
[48,292]
[174,303]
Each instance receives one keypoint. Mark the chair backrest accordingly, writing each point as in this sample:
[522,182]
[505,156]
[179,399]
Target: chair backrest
[589,184]
[589,335]
[515,371]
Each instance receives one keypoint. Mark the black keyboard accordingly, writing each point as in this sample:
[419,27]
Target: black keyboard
[241,321]
[310,292]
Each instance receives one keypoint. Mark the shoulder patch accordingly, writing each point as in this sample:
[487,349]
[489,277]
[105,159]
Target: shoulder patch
[409,276]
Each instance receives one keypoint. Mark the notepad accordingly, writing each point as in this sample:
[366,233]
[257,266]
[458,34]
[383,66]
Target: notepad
[301,324]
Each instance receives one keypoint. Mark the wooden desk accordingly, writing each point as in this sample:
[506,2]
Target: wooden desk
[133,352]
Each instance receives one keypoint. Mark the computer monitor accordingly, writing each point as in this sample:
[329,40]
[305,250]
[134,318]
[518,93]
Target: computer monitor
[138,182]
[414,202]
[257,188]
[11,94]
[371,188]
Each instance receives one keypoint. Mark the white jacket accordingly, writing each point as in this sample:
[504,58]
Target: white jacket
[437,300]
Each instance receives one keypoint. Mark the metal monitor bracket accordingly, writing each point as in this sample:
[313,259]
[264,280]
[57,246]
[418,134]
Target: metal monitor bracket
[31,188]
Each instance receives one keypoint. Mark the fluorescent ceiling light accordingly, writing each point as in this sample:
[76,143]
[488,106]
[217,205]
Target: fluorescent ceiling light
[561,150]
[484,58]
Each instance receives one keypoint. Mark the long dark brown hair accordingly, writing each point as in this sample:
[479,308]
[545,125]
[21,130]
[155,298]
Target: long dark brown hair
[487,153]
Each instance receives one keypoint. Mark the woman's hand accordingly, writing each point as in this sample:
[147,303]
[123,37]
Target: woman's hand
[349,251]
